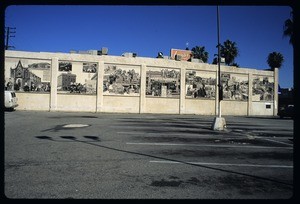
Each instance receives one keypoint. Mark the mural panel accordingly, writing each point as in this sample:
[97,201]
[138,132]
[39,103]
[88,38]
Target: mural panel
[89,67]
[121,80]
[26,75]
[77,77]
[64,66]
[200,84]
[235,86]
[262,88]
[163,82]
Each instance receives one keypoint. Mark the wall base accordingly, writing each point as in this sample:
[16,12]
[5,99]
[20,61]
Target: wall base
[219,124]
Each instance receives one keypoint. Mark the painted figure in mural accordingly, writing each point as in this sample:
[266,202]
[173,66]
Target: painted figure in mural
[39,88]
[201,90]
[26,87]
[17,85]
[110,88]
[189,91]
[136,88]
[47,87]
[77,88]
[131,90]
[9,85]
[33,88]
[195,93]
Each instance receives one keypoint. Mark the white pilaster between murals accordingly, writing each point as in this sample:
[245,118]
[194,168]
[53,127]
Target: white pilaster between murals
[275,98]
[143,89]
[250,84]
[182,91]
[99,105]
[53,90]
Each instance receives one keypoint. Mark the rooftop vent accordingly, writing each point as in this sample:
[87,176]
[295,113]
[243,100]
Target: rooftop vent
[129,54]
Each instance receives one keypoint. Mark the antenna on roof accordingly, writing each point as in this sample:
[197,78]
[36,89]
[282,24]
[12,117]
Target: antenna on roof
[187,46]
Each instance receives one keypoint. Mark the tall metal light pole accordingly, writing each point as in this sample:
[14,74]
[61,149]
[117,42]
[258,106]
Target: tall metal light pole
[219,122]
[219,66]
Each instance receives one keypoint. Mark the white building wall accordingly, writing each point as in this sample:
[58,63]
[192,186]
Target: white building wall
[137,104]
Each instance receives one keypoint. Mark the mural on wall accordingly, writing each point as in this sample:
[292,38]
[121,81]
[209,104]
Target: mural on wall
[235,86]
[163,82]
[121,80]
[77,77]
[64,66]
[200,84]
[89,67]
[27,75]
[262,88]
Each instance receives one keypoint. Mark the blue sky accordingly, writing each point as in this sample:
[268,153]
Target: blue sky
[146,30]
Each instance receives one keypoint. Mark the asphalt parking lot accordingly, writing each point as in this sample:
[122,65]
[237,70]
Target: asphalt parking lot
[147,156]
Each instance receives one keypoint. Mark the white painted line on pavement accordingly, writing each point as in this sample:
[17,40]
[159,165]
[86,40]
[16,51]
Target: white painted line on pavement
[276,141]
[223,164]
[75,125]
[199,145]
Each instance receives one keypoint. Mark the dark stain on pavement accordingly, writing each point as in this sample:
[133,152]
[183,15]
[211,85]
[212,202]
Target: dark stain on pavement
[92,138]
[44,137]
[72,138]
[174,181]
[164,183]
[68,137]
[83,116]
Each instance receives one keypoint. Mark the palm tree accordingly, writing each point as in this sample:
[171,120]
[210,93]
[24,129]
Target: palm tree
[275,60]
[288,29]
[229,51]
[200,53]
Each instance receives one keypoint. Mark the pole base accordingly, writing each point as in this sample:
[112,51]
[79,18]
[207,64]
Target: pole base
[219,124]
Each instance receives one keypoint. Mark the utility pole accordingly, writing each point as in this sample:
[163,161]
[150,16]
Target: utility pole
[9,31]
[219,122]
[219,66]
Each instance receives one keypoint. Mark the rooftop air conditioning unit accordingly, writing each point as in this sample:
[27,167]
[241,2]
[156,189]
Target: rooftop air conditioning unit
[104,50]
[92,52]
[129,54]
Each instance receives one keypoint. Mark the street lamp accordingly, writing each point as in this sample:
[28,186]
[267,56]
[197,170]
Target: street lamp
[219,122]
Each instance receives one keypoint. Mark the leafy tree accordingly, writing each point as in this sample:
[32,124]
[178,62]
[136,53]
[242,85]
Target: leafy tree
[200,53]
[229,51]
[275,60]
[215,61]
[288,29]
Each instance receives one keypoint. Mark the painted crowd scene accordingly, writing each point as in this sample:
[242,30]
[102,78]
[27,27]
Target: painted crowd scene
[121,80]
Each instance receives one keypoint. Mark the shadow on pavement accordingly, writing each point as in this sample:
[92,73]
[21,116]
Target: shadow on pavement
[93,138]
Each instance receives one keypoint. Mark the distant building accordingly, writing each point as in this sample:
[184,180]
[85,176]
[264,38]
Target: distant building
[180,55]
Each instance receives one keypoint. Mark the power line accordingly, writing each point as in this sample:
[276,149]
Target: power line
[9,32]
